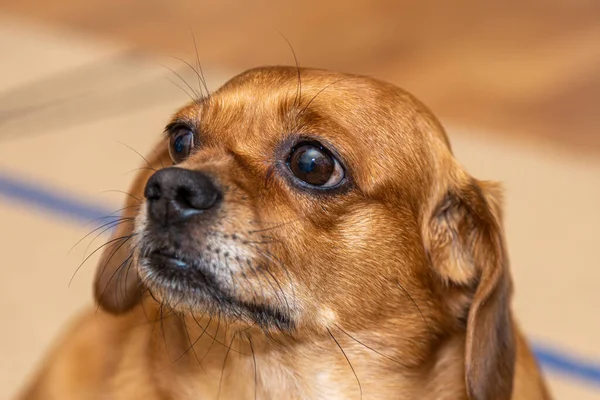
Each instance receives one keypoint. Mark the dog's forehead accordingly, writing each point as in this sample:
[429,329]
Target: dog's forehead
[374,125]
[288,92]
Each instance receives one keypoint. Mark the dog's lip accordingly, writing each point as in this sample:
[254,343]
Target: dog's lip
[178,267]
[168,258]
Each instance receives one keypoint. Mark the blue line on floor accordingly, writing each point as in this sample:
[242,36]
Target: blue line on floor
[554,360]
[51,200]
[54,202]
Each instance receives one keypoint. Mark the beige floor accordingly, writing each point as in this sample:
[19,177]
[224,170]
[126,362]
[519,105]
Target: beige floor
[553,197]
[527,68]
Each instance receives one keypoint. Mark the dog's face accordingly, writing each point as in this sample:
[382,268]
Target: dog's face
[289,213]
[307,201]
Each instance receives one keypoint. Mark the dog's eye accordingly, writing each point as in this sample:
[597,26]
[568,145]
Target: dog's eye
[315,165]
[181,144]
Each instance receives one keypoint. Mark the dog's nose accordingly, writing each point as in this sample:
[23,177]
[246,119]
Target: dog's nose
[176,194]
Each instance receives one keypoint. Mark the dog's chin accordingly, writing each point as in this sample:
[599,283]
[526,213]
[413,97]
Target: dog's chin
[180,281]
[189,286]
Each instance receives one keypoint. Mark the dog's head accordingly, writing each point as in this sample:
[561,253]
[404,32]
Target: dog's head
[310,201]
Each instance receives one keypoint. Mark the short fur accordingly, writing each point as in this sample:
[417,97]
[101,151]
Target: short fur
[395,285]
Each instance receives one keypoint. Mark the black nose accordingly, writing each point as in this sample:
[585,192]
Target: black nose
[176,194]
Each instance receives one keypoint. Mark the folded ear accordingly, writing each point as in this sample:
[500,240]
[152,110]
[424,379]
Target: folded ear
[117,285]
[465,242]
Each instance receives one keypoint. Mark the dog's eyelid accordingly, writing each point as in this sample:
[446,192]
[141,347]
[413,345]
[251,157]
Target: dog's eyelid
[320,142]
[176,125]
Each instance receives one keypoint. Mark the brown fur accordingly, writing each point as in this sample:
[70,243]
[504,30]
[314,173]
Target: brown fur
[394,286]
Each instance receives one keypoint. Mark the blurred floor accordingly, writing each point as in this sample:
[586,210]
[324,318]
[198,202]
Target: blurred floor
[69,108]
[524,68]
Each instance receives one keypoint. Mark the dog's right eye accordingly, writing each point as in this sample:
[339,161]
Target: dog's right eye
[180,144]
[315,165]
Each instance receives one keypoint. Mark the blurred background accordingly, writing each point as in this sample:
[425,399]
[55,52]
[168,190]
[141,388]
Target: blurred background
[85,84]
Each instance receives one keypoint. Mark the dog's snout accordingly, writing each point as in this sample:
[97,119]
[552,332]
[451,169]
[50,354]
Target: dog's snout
[176,194]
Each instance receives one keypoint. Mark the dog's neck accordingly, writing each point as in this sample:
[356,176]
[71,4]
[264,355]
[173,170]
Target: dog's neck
[210,358]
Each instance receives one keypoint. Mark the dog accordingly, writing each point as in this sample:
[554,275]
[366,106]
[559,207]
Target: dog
[301,234]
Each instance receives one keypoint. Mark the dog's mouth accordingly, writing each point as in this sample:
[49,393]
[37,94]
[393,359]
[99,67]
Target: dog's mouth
[180,274]
[191,283]
[168,259]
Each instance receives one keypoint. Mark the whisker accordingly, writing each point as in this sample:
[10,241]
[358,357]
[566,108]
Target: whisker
[189,339]
[204,330]
[280,264]
[160,305]
[255,294]
[121,221]
[254,361]
[122,192]
[139,169]
[127,269]
[194,99]
[299,85]
[200,65]
[125,238]
[111,278]
[164,334]
[201,94]
[279,225]
[235,283]
[318,93]
[271,239]
[223,368]
[139,154]
[255,271]
[370,348]
[280,294]
[142,291]
[197,96]
[159,158]
[252,242]
[117,270]
[348,360]
[117,221]
[415,304]
[125,266]
[275,279]
[213,337]
[111,215]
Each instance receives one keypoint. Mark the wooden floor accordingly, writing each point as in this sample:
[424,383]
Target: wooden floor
[529,69]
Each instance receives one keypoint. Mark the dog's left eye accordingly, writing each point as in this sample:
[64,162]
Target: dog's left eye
[315,165]
[181,144]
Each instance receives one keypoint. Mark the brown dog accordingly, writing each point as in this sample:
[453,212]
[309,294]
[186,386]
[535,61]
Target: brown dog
[316,239]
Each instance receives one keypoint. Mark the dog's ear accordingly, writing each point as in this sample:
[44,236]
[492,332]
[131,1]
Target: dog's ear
[465,242]
[117,285]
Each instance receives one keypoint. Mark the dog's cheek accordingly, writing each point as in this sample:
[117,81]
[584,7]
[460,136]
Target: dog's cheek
[353,263]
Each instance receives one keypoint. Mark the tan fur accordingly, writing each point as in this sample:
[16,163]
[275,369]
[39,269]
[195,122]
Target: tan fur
[395,287]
